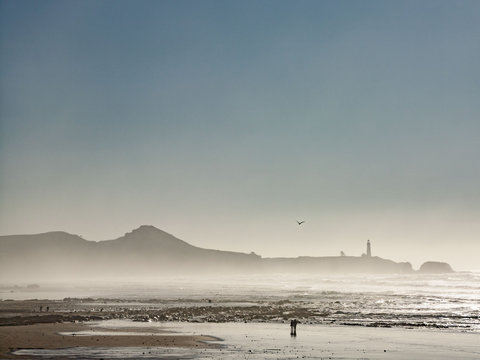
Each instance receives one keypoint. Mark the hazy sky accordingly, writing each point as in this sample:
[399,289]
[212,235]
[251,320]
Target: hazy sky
[224,122]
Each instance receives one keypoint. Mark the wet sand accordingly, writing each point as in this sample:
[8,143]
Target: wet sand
[238,341]
[80,329]
[273,341]
[49,336]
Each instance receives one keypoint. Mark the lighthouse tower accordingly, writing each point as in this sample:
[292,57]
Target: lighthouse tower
[369,249]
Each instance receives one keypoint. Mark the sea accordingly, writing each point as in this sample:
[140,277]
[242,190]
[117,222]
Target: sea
[438,301]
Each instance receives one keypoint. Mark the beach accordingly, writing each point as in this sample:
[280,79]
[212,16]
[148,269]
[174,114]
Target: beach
[206,329]
[230,341]
[53,336]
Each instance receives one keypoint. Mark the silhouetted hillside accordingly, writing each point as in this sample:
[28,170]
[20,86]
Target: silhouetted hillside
[148,252]
[144,252]
[337,264]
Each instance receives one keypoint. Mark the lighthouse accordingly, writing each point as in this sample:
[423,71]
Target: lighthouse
[369,249]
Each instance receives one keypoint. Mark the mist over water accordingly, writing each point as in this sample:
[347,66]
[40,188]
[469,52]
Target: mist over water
[411,300]
[459,284]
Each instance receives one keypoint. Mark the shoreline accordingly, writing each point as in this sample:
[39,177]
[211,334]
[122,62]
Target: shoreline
[204,329]
[50,336]
[34,311]
[255,340]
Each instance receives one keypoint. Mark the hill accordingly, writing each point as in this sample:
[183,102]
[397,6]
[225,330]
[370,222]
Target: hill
[145,252]
[148,252]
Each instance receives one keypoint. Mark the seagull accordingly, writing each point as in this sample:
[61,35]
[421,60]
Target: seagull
[300,222]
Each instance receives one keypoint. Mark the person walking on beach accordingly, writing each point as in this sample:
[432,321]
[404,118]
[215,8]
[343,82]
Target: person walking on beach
[293,327]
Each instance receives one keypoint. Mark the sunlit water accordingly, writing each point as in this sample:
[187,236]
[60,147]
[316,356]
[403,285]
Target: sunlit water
[412,300]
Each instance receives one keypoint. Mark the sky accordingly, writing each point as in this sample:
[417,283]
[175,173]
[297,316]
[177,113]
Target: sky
[225,122]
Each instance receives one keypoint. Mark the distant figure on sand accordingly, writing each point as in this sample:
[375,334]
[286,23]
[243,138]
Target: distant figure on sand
[293,327]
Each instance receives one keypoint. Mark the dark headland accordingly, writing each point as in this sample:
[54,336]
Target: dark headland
[150,252]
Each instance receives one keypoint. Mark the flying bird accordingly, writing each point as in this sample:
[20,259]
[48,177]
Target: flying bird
[300,222]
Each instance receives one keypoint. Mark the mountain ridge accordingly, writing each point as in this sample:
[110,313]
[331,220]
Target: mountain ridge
[148,252]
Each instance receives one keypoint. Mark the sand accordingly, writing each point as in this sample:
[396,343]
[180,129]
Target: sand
[27,333]
[273,341]
[238,341]
[48,336]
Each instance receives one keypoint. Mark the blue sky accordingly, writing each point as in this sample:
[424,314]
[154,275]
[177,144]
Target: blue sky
[223,122]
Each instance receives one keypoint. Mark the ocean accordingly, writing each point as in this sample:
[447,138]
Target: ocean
[439,301]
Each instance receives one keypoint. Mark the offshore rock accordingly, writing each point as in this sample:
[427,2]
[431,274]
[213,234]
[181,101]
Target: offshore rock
[435,267]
